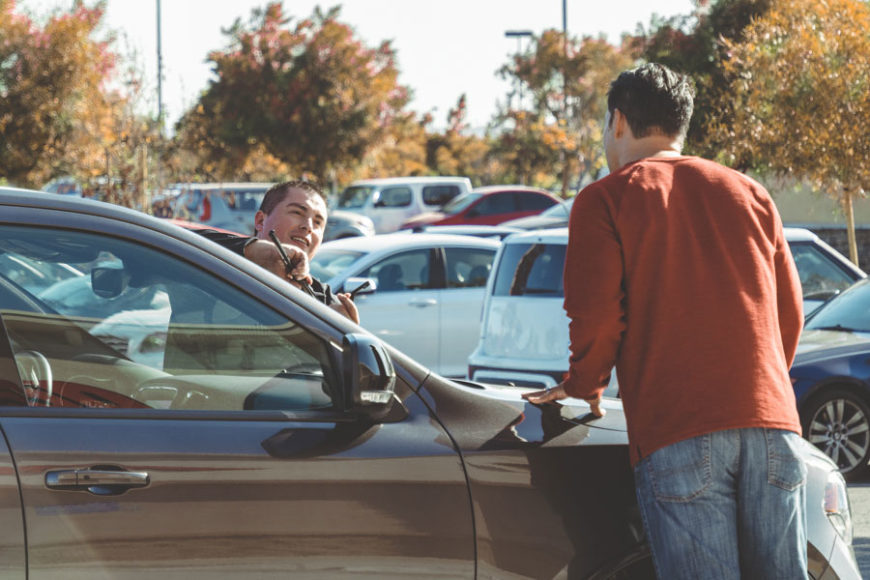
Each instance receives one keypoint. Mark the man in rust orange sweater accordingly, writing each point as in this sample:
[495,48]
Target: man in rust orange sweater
[678,273]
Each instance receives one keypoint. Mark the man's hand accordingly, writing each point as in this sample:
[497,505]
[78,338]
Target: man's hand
[557,393]
[264,253]
[346,307]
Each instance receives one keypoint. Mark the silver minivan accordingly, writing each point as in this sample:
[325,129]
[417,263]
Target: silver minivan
[392,200]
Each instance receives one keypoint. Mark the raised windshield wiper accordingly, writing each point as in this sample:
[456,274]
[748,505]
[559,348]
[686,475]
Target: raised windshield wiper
[839,327]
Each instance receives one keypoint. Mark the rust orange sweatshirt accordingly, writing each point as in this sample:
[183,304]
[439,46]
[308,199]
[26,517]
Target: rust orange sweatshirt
[678,273]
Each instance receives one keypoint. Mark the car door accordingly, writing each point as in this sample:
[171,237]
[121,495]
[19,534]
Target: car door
[391,206]
[404,308]
[228,455]
[461,304]
[492,209]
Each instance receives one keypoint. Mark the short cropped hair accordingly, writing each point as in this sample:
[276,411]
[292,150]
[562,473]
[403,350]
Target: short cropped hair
[277,193]
[653,98]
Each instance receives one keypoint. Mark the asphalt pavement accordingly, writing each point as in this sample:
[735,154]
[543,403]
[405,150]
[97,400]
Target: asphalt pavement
[859,497]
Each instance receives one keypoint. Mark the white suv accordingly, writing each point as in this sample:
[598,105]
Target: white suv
[524,332]
[392,200]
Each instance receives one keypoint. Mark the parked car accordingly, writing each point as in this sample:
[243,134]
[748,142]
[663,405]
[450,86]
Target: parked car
[524,333]
[425,293]
[831,377]
[278,436]
[347,224]
[231,206]
[499,232]
[554,217]
[489,205]
[388,202]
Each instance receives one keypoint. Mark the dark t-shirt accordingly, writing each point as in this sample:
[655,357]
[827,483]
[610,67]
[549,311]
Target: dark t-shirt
[319,291]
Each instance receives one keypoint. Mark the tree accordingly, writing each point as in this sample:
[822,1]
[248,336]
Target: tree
[54,100]
[315,97]
[568,86]
[799,102]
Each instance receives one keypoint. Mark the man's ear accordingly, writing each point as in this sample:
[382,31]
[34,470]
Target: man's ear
[258,221]
[619,122]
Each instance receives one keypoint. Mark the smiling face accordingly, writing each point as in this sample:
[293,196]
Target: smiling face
[298,220]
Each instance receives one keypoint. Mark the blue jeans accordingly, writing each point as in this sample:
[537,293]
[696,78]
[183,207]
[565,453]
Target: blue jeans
[728,504]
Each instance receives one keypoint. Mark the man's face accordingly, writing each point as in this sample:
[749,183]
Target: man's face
[609,148]
[298,220]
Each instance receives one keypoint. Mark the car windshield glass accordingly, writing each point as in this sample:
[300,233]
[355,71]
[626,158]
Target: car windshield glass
[851,310]
[460,203]
[354,196]
[330,262]
[530,269]
[559,210]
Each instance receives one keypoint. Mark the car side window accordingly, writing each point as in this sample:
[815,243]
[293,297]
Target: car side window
[468,267]
[403,271]
[438,195]
[496,203]
[139,328]
[394,197]
[534,202]
[818,274]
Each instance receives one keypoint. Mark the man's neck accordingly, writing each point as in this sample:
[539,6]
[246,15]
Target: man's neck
[654,146]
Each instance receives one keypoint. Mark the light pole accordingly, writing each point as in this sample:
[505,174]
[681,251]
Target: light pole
[519,35]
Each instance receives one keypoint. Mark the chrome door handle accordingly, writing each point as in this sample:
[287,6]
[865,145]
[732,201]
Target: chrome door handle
[96,481]
[423,303]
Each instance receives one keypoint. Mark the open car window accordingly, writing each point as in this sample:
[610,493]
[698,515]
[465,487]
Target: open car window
[133,327]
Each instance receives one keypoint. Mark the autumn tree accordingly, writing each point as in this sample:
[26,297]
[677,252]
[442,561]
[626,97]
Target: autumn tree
[799,101]
[567,85]
[313,95]
[54,100]
[454,151]
[693,44]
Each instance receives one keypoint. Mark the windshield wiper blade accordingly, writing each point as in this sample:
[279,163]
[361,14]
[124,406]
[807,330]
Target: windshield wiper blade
[839,327]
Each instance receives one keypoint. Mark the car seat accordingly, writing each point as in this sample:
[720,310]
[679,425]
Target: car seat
[390,277]
[478,276]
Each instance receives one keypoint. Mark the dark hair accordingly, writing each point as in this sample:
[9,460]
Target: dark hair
[653,99]
[277,193]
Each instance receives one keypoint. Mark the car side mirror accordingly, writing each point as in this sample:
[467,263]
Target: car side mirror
[358,286]
[368,376]
[108,281]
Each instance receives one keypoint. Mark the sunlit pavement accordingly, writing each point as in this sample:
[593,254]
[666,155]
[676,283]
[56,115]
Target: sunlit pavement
[859,496]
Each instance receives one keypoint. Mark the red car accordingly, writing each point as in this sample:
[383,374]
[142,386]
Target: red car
[489,205]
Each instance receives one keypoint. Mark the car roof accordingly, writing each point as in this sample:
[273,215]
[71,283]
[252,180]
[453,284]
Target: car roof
[799,235]
[415,179]
[547,236]
[791,234]
[408,239]
[234,185]
[487,189]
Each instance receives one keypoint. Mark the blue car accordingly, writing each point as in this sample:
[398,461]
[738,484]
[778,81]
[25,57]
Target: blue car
[831,378]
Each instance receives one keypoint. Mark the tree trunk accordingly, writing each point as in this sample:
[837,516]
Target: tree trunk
[850,225]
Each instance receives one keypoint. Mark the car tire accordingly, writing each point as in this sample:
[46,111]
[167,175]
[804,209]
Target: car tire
[837,421]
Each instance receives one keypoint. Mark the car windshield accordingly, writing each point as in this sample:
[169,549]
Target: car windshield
[354,196]
[458,204]
[562,209]
[530,269]
[848,311]
[330,262]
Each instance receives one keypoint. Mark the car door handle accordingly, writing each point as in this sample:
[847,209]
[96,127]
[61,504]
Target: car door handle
[96,481]
[423,303]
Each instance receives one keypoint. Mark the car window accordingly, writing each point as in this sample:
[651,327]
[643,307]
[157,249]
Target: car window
[354,197]
[533,202]
[330,262]
[530,270]
[144,329]
[468,267]
[818,273]
[458,204]
[848,310]
[393,197]
[403,271]
[496,203]
[438,195]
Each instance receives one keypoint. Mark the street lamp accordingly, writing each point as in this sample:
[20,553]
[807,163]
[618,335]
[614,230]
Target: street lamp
[519,35]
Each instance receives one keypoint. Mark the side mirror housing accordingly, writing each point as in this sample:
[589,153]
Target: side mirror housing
[368,376]
[360,285]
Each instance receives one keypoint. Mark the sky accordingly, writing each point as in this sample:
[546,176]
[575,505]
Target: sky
[444,48]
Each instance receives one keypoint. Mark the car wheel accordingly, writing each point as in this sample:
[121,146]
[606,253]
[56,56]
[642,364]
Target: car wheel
[837,421]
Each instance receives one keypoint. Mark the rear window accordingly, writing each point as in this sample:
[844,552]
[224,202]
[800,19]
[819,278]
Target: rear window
[438,195]
[354,196]
[530,270]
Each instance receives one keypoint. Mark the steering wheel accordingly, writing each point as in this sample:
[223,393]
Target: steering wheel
[35,371]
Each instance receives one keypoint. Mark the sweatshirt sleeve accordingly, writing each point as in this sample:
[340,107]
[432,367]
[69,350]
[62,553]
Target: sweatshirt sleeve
[594,295]
[789,298]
